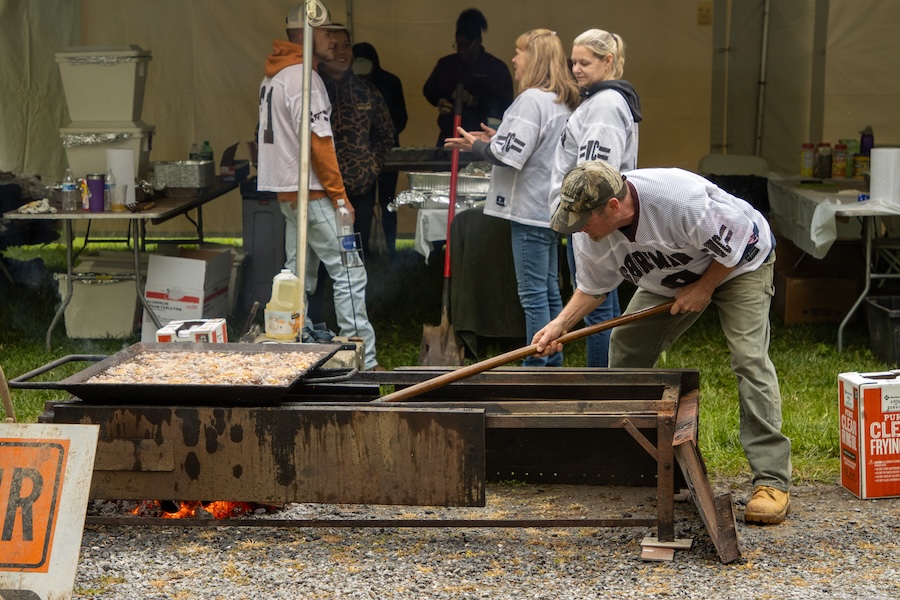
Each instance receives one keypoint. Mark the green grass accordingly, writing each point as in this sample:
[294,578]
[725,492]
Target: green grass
[406,293]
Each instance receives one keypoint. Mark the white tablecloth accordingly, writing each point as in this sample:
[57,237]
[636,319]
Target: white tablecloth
[806,213]
[431,226]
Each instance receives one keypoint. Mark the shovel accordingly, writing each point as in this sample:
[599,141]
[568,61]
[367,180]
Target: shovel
[502,359]
[440,346]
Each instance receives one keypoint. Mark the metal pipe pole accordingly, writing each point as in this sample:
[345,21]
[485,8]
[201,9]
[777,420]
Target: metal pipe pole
[303,168]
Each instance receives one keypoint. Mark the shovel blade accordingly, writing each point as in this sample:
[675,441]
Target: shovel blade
[440,347]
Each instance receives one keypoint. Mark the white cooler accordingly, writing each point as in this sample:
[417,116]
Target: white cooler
[104,83]
[86,145]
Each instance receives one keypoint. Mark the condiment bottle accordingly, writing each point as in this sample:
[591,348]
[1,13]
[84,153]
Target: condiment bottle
[839,161]
[807,160]
[866,141]
[822,168]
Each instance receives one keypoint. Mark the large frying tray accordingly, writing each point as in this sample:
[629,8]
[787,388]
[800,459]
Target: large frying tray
[211,394]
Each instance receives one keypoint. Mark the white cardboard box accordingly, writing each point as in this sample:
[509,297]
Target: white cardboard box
[188,284]
[869,407]
[201,331]
[105,306]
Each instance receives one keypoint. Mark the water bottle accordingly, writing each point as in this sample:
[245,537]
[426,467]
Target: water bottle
[109,190]
[350,256]
[866,141]
[194,152]
[70,195]
[206,151]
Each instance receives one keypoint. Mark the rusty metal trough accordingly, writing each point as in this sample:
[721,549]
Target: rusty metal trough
[329,443]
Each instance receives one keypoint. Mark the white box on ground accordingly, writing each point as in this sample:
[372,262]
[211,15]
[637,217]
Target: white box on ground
[104,83]
[188,284]
[104,306]
[200,331]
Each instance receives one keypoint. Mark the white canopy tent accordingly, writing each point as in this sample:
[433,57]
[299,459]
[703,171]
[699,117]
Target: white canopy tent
[830,69]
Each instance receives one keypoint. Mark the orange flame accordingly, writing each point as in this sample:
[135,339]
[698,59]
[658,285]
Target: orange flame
[220,509]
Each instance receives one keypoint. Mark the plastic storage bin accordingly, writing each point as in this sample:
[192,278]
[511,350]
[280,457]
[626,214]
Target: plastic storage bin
[263,226]
[104,83]
[86,145]
[883,318]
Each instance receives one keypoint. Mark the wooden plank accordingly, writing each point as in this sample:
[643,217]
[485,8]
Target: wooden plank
[717,513]
[655,553]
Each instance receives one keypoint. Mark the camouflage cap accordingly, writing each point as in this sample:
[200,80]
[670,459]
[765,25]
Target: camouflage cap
[585,188]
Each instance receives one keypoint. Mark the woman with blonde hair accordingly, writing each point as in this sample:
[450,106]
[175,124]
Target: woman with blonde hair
[521,151]
[603,127]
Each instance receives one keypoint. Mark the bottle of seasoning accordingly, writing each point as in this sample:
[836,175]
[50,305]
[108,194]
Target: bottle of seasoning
[807,159]
[839,161]
[822,168]
[866,140]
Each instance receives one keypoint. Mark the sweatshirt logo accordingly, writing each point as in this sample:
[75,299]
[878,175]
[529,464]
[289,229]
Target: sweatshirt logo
[592,150]
[509,143]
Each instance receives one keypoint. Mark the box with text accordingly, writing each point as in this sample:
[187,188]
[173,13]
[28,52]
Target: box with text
[870,433]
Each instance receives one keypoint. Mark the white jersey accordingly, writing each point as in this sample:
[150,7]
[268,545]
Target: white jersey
[526,143]
[280,102]
[601,128]
[682,222]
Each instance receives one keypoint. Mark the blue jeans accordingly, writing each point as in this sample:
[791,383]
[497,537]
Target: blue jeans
[536,258]
[597,344]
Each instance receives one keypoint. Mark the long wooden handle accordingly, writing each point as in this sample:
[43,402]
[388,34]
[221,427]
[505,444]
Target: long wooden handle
[502,359]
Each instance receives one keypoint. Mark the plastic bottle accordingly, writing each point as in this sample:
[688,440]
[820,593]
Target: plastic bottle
[807,160]
[350,256]
[109,190]
[822,168]
[866,141]
[206,151]
[194,153]
[839,161]
[283,318]
[69,192]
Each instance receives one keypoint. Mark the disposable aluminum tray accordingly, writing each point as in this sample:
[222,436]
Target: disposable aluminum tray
[439,182]
[185,173]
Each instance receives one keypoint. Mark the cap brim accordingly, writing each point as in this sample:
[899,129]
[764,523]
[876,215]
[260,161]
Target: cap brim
[567,222]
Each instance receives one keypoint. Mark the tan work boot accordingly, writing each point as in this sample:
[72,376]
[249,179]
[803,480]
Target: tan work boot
[767,505]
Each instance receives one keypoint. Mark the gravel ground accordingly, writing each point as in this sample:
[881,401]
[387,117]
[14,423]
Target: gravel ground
[833,545]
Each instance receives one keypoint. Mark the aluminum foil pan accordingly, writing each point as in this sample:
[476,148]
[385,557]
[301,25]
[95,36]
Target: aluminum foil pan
[415,199]
[184,173]
[439,182]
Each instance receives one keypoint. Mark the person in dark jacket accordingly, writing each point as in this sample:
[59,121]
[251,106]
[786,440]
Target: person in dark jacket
[367,65]
[487,84]
[363,131]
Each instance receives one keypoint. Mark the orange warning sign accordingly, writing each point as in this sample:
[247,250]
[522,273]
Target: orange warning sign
[31,482]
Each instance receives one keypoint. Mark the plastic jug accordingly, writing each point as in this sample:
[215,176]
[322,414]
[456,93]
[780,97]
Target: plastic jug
[283,318]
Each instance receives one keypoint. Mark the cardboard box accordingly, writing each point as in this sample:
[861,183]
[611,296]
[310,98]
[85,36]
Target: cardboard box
[810,290]
[186,284]
[104,306]
[801,298]
[870,433]
[202,331]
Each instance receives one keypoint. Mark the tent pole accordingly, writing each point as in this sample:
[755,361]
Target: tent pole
[303,169]
[760,109]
